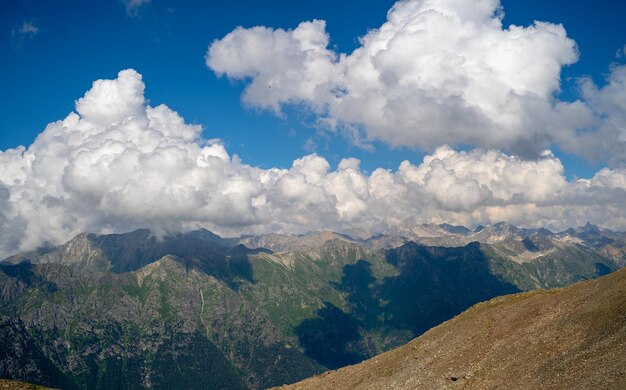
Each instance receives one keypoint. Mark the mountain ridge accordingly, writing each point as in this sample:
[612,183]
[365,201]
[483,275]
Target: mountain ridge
[266,316]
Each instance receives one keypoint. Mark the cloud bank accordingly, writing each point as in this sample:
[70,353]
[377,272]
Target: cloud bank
[118,163]
[436,72]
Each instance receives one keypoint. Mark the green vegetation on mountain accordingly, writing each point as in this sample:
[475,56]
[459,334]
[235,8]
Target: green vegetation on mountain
[198,311]
[569,338]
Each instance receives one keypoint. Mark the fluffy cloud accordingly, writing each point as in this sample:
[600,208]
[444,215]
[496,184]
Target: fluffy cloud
[609,105]
[117,164]
[133,6]
[26,30]
[437,72]
[285,66]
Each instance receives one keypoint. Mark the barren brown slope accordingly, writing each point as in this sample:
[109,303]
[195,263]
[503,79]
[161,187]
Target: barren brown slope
[570,338]
[6,384]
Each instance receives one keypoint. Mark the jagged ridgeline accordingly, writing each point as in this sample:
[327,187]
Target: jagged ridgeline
[195,310]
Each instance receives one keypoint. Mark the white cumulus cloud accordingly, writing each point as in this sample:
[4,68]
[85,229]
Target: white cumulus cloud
[436,72]
[133,6]
[609,105]
[118,164]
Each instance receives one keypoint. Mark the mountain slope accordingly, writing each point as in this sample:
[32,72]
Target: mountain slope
[120,308]
[16,385]
[570,338]
[135,329]
[22,358]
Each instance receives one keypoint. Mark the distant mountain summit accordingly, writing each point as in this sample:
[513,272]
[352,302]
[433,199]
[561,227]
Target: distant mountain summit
[589,235]
[289,242]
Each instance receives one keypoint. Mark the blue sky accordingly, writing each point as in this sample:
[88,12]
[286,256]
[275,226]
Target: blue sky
[166,41]
[456,104]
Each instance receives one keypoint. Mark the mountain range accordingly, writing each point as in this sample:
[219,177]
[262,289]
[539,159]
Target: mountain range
[195,310]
